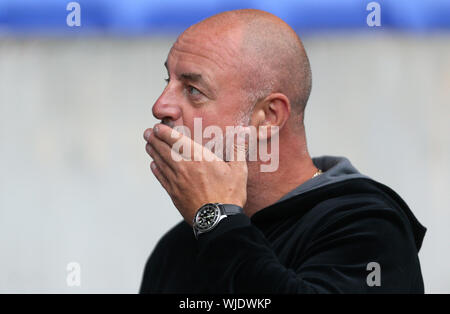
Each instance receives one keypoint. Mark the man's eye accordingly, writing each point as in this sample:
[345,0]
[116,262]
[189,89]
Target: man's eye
[193,91]
[167,80]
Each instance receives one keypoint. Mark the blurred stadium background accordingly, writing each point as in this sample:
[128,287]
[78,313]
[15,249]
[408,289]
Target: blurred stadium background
[75,184]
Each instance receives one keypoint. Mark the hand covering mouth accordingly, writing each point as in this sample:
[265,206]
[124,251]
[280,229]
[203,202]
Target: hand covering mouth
[168,122]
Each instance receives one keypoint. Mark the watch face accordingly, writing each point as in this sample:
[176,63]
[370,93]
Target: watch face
[207,216]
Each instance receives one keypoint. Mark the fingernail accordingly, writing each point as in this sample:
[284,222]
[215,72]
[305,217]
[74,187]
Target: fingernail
[155,129]
[153,165]
[147,134]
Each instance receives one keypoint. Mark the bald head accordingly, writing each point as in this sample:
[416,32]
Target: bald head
[269,56]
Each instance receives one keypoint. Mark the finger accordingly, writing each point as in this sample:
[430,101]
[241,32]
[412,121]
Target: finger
[147,133]
[168,172]
[167,134]
[165,152]
[176,140]
[200,152]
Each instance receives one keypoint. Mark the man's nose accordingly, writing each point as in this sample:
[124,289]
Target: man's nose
[167,107]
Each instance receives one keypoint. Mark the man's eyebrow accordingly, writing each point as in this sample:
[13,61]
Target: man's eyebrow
[193,77]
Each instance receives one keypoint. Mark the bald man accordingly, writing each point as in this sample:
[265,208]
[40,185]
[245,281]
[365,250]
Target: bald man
[312,225]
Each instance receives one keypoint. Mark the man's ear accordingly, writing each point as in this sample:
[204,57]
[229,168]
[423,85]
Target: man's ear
[271,113]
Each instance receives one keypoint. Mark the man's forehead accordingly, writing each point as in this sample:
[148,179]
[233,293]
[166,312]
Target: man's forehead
[210,48]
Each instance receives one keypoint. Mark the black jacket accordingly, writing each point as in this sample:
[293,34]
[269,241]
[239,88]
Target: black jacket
[318,241]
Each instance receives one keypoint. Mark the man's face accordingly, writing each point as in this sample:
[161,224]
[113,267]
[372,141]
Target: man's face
[203,81]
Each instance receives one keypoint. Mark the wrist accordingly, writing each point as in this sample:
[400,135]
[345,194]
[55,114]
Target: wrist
[210,215]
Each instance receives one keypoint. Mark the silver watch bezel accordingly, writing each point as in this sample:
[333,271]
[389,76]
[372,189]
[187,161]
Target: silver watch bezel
[218,217]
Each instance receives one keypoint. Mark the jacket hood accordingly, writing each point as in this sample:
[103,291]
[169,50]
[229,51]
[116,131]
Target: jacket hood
[336,169]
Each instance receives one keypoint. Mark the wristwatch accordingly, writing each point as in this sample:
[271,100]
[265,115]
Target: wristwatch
[209,215]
